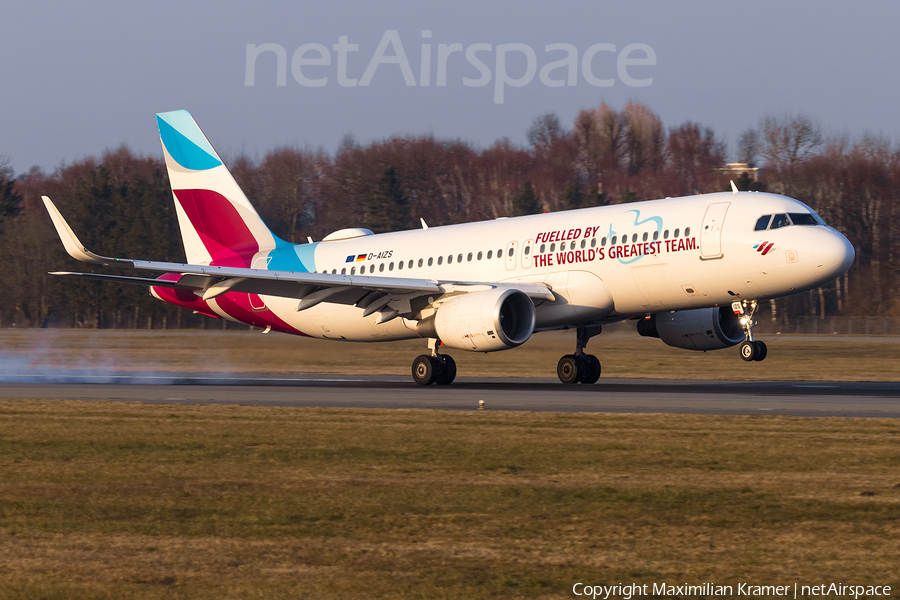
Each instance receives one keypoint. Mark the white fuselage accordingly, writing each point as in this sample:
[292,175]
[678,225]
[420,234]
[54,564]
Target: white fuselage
[603,264]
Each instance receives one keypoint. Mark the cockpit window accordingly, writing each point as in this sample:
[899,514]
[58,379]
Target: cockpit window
[780,221]
[763,223]
[803,219]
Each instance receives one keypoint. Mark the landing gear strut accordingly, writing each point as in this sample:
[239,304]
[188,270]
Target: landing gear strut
[580,367]
[750,349]
[437,368]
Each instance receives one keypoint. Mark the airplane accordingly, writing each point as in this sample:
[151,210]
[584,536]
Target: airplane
[690,270]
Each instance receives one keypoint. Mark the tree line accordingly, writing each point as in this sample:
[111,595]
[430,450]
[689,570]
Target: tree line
[120,204]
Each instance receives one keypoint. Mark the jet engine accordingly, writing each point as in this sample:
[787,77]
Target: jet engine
[700,329]
[486,321]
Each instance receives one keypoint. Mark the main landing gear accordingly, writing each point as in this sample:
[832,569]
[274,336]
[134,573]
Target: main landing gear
[750,349]
[437,368]
[580,367]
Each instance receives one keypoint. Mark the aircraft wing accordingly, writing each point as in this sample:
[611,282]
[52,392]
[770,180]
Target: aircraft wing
[388,295]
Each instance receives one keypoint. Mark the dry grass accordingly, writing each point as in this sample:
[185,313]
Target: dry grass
[112,500]
[622,355]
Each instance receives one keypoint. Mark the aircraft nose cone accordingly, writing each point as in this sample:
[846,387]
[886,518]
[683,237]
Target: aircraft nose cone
[833,253]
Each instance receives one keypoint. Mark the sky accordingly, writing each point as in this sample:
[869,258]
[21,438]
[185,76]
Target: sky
[77,79]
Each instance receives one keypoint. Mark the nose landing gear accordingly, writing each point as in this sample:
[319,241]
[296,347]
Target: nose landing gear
[580,367]
[750,349]
[437,368]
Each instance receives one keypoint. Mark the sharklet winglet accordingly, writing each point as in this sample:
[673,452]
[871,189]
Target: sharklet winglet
[70,241]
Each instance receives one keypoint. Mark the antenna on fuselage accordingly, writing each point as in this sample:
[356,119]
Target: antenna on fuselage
[424,224]
[734,189]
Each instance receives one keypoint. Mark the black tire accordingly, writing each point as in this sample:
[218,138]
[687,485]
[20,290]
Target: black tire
[424,369]
[761,350]
[748,350]
[591,367]
[569,369]
[447,372]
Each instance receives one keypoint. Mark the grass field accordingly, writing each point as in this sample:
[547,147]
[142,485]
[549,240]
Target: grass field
[623,354]
[111,500]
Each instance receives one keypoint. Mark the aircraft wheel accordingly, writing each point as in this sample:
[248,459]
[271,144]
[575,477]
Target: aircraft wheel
[761,351]
[591,368]
[424,369]
[569,369]
[748,350]
[447,372]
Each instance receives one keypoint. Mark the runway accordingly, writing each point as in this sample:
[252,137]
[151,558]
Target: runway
[814,399]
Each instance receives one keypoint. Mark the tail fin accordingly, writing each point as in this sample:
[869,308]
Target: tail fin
[218,224]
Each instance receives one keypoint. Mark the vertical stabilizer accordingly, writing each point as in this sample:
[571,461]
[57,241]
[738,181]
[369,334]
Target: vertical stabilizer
[218,224]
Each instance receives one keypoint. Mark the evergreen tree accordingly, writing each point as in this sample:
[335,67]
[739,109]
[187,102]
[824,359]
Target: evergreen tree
[389,206]
[525,201]
[10,200]
[571,196]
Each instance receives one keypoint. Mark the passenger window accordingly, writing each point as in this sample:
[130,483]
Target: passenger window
[391,267]
[779,221]
[543,248]
[583,243]
[666,234]
[634,238]
[572,246]
[344,271]
[553,247]
[644,237]
[762,223]
[409,266]
[527,250]
[420,263]
[381,268]
[500,253]
[450,260]
[490,254]
[613,241]
[802,219]
[400,265]
[430,261]
[511,250]
[440,260]
[593,242]
[655,235]
[371,268]
[334,271]
[353,270]
[603,241]
[675,233]
[479,256]
[687,231]
[459,258]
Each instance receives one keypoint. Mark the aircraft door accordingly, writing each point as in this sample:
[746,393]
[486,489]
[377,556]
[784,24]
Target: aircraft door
[711,232]
[511,250]
[527,249]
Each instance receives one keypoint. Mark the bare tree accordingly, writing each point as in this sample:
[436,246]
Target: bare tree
[786,141]
[544,130]
[748,147]
[644,138]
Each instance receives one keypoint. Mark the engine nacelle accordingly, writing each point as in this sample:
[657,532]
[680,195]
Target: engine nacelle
[495,319]
[700,329]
